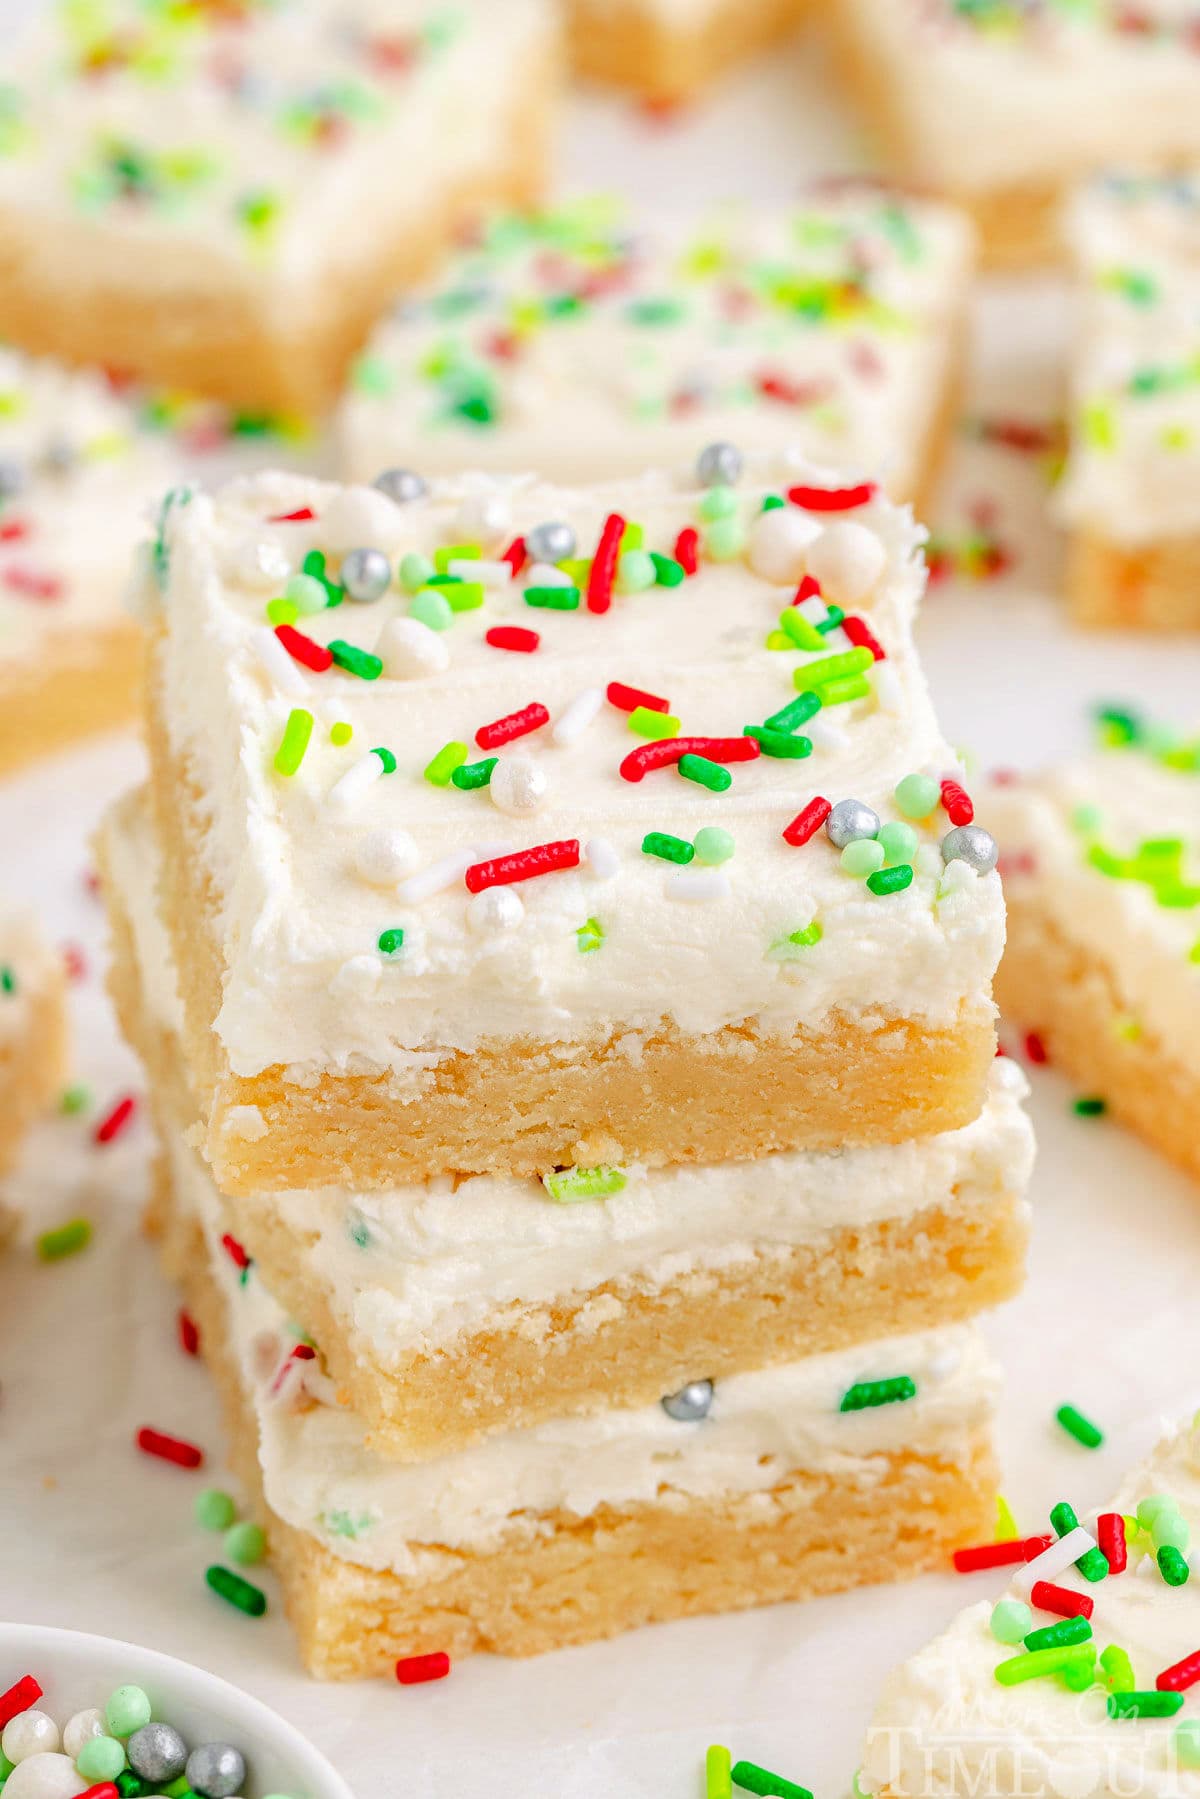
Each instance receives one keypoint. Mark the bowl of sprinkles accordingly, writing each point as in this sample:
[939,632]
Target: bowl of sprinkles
[88,1717]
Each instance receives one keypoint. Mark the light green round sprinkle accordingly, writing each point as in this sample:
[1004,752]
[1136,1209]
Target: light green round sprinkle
[464,596]
[246,1543]
[214,1509]
[1011,1620]
[917,795]
[863,857]
[1187,1743]
[101,1758]
[432,608]
[306,594]
[127,1710]
[712,844]
[1171,1528]
[340,733]
[414,571]
[717,502]
[899,842]
[1149,1508]
[635,572]
[75,1099]
[724,539]
[67,1240]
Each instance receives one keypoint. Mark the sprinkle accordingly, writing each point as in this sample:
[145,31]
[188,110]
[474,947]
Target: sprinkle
[1035,1049]
[542,859]
[512,637]
[569,1184]
[832,499]
[238,1592]
[705,773]
[648,723]
[1055,1559]
[554,599]
[800,630]
[1172,1565]
[189,1335]
[807,823]
[299,516]
[1055,1636]
[843,693]
[355,661]
[1144,1705]
[717,1778]
[891,880]
[277,664]
[451,756]
[23,1694]
[67,1240]
[390,941]
[1043,1661]
[1049,1598]
[1110,1535]
[633,699]
[282,612]
[362,775]
[957,802]
[415,1670]
[340,734]
[841,664]
[1010,1621]
[667,572]
[1006,1524]
[999,1555]
[474,573]
[866,1393]
[797,712]
[169,1449]
[649,756]
[438,875]
[515,724]
[111,1126]
[780,744]
[245,1543]
[302,649]
[862,637]
[1090,1106]
[235,1252]
[294,742]
[687,550]
[474,774]
[514,555]
[1118,1669]
[754,1779]
[1180,1675]
[589,935]
[602,858]
[570,725]
[1079,1427]
[670,849]
[604,564]
[76,1098]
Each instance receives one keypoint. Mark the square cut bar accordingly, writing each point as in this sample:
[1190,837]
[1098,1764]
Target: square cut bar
[948,1724]
[454,1309]
[365,1009]
[1131,497]
[566,340]
[224,200]
[1003,106]
[1103,958]
[76,476]
[580,1528]
[33,1029]
[667,52]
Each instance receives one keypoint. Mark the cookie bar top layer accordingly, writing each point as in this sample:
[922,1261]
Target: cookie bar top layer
[252,142]
[996,93]
[77,478]
[567,341]
[945,1724]
[631,924]
[1110,844]
[1133,475]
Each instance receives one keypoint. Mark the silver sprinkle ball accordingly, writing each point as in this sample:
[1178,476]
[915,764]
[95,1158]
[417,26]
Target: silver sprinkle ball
[691,1403]
[216,1771]
[12,478]
[365,575]
[719,465]
[157,1752]
[551,542]
[973,845]
[400,484]
[849,821]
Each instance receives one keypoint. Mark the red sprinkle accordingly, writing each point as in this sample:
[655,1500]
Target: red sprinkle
[32,586]
[303,649]
[292,518]
[117,1119]
[514,555]
[809,589]
[512,637]
[13,530]
[103,1790]
[19,1698]
[414,1670]
[687,550]
[517,724]
[189,1334]
[806,824]
[543,859]
[1035,1049]
[604,564]
[628,699]
[957,802]
[1180,1675]
[169,1449]
[1000,1555]
[1110,1535]
[234,1251]
[862,637]
[667,750]
[833,499]
[1060,1600]
[74,961]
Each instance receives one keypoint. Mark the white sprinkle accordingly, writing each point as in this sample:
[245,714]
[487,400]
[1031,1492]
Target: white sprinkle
[545,574]
[1055,1560]
[698,884]
[356,781]
[888,691]
[408,649]
[813,609]
[492,574]
[442,874]
[601,858]
[494,910]
[825,735]
[570,725]
[277,664]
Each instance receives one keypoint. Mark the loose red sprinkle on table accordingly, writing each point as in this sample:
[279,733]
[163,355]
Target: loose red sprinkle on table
[833,499]
[512,637]
[806,824]
[604,564]
[1035,1049]
[413,1670]
[628,699]
[1060,1600]
[303,649]
[862,637]
[189,1334]
[515,724]
[543,859]
[117,1119]
[32,586]
[957,802]
[169,1449]
[667,751]
[19,1698]
[292,518]
[687,549]
[1000,1555]
[514,555]
[234,1251]
[809,589]
[1110,1536]
[1180,1675]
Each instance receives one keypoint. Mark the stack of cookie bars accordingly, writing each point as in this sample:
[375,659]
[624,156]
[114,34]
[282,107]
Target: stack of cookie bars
[562,962]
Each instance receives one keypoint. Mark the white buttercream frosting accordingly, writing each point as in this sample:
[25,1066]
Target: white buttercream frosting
[625,939]
[945,1725]
[567,341]
[28,966]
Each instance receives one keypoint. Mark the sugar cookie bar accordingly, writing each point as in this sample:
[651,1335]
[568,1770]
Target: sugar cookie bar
[1001,105]
[224,199]
[1131,496]
[565,340]
[33,1029]
[566,869]
[1103,955]
[793,1482]
[458,1307]
[1111,1706]
[669,51]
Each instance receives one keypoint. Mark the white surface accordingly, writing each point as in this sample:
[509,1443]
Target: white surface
[94,1536]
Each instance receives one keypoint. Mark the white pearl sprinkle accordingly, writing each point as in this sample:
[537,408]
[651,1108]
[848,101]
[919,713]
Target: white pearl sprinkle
[31,1732]
[698,884]
[45,1777]
[570,724]
[847,559]
[546,574]
[83,1727]
[778,542]
[601,857]
[256,562]
[408,648]
[382,858]
[357,781]
[518,786]
[494,910]
[278,666]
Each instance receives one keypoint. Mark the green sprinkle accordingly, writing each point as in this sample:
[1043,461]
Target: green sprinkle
[1041,1662]
[717,1781]
[1010,1621]
[75,1099]
[843,665]
[340,734]
[753,1779]
[832,619]
[1006,1524]
[866,1393]
[632,537]
[553,599]
[455,552]
[1090,1106]
[1172,1565]
[1079,1427]
[863,857]
[238,1592]
[891,880]
[1054,1636]
[305,593]
[779,640]
[415,571]
[127,1710]
[705,773]
[635,572]
[1187,1743]
[773,502]
[390,941]
[441,769]
[464,596]
[712,845]
[917,795]
[578,568]
[717,502]
[214,1509]
[797,712]
[474,774]
[899,841]
[671,849]
[101,1758]
[355,661]
[386,757]
[431,607]
[589,935]
[67,1240]
[841,693]
[667,572]
[1118,1669]
[1150,1507]
[780,744]
[283,612]
[724,539]
[1093,1565]
[1063,1518]
[130,1786]
[569,1184]
[802,632]
[314,565]
[789,948]
[8,980]
[245,1543]
[646,722]
[294,741]
[1171,1528]
[1144,1705]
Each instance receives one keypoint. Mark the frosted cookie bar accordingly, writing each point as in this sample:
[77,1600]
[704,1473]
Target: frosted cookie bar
[671,50]
[567,341]
[33,1029]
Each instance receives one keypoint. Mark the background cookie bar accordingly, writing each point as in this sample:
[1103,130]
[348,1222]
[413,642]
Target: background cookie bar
[33,1029]
[225,200]
[568,341]
[670,50]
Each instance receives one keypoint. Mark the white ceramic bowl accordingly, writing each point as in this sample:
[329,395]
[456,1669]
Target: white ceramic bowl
[78,1670]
